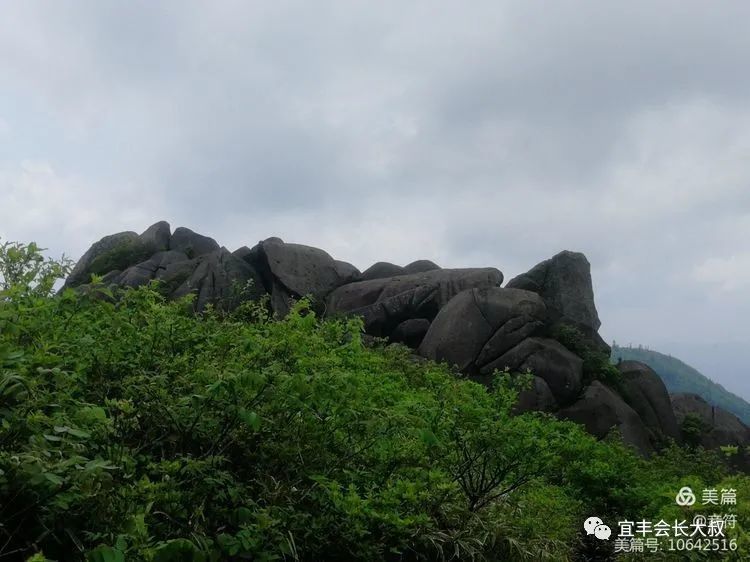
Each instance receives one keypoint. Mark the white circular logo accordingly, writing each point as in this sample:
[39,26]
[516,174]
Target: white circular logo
[685,497]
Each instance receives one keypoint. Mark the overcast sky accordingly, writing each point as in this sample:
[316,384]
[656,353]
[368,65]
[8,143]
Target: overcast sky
[473,134]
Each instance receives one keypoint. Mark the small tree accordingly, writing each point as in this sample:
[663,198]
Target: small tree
[24,268]
[693,429]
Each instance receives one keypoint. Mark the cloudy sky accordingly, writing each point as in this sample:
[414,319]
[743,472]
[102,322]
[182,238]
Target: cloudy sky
[484,133]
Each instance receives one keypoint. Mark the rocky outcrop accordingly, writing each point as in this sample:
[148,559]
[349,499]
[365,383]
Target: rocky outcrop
[192,244]
[548,359]
[292,271]
[600,411]
[184,262]
[719,427]
[219,279]
[459,316]
[146,271]
[157,236]
[645,392]
[116,252]
[537,397]
[347,272]
[481,324]
[420,266]
[385,303]
[411,332]
[483,330]
[382,270]
[564,282]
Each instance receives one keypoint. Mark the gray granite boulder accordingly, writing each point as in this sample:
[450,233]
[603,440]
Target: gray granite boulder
[114,252]
[157,236]
[546,358]
[420,266]
[537,397]
[382,270]
[720,427]
[386,303]
[347,272]
[144,272]
[218,278]
[292,271]
[483,330]
[564,282]
[411,332]
[600,410]
[479,325]
[645,392]
[191,243]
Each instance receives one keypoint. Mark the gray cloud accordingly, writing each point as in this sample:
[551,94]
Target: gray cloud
[493,134]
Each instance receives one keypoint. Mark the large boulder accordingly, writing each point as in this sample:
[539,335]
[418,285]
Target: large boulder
[244,253]
[173,275]
[386,303]
[293,271]
[347,272]
[303,270]
[479,325]
[645,392]
[483,330]
[115,252]
[411,332]
[719,426]
[218,278]
[382,270]
[537,397]
[157,236]
[420,266]
[546,358]
[600,411]
[564,282]
[192,244]
[144,272]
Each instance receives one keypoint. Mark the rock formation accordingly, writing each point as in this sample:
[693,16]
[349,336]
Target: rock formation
[719,426]
[460,316]
[292,271]
[381,270]
[564,282]
[183,262]
[385,303]
[645,392]
[600,410]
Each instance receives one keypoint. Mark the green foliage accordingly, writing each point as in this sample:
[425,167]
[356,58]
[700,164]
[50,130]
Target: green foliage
[596,364]
[23,268]
[131,429]
[693,428]
[127,252]
[679,377]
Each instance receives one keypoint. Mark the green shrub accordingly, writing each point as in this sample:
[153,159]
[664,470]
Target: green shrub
[596,364]
[131,429]
[693,428]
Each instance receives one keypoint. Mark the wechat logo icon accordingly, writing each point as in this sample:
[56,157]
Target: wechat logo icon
[595,526]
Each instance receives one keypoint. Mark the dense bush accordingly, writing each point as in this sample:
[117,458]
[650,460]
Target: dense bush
[596,364]
[131,429]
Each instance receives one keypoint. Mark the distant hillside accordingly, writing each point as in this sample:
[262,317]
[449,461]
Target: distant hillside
[679,377]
